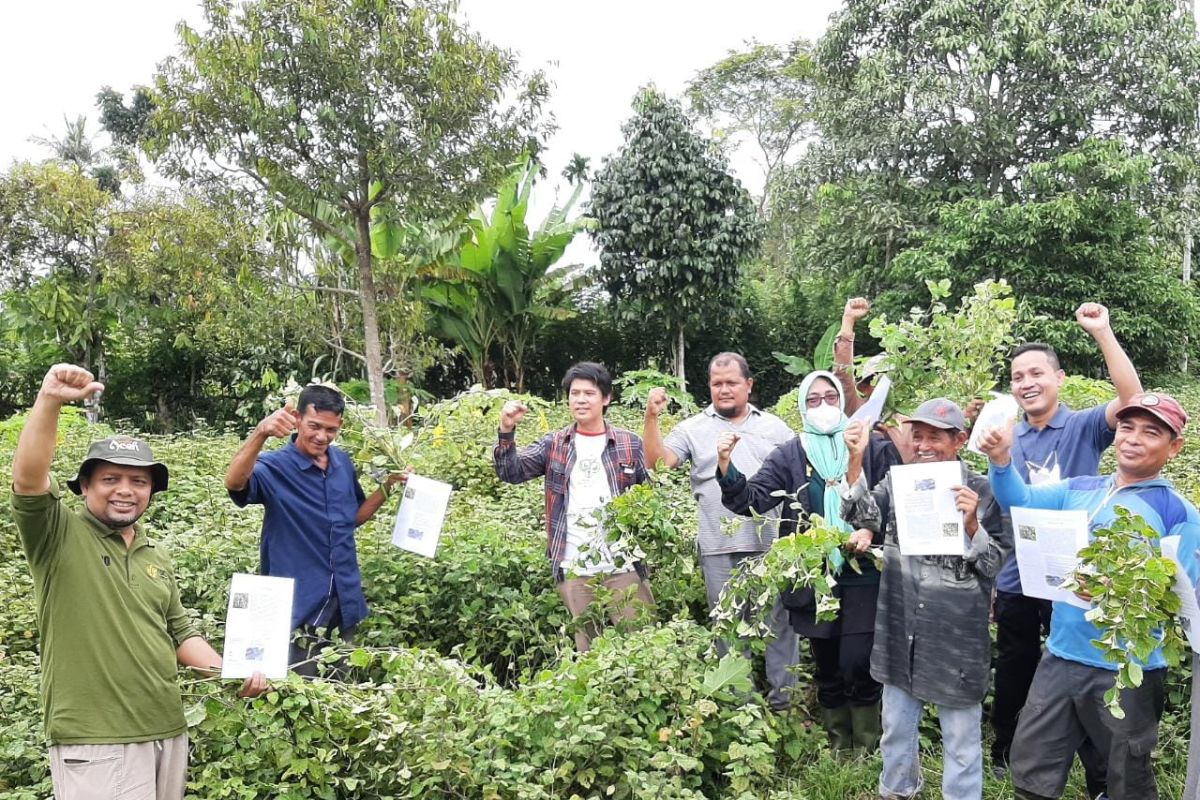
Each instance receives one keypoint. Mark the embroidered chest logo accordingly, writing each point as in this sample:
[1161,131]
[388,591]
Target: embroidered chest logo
[153,572]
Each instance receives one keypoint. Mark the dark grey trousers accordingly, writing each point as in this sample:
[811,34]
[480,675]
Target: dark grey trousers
[1066,703]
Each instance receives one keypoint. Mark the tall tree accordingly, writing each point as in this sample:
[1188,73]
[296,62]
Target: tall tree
[672,224]
[350,103]
[763,92]
[1076,232]
[957,93]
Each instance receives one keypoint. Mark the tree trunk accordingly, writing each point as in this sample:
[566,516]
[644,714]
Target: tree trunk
[1187,279]
[366,288]
[677,355]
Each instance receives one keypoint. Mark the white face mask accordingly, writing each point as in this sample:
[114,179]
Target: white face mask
[823,419]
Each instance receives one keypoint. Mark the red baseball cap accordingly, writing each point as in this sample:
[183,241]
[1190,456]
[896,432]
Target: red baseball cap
[1162,406]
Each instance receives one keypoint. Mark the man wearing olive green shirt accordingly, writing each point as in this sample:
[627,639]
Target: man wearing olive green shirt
[112,629]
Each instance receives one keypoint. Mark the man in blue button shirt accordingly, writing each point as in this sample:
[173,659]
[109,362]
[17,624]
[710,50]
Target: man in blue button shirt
[1052,443]
[313,504]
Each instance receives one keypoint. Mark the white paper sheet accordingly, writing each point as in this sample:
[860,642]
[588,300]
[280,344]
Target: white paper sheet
[422,512]
[996,413]
[873,408]
[1047,546]
[927,521]
[1189,608]
[258,626]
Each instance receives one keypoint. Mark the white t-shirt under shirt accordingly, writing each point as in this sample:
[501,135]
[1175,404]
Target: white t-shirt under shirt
[587,551]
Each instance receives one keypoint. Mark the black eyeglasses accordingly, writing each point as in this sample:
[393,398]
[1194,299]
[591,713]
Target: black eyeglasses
[814,400]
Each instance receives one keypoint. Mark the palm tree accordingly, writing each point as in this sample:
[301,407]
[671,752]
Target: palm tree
[577,169]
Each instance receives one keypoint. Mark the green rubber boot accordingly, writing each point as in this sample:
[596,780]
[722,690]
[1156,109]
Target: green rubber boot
[866,728]
[837,724]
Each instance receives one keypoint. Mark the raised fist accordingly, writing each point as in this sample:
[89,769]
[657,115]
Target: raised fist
[511,414]
[857,436]
[725,444]
[856,308]
[1092,317]
[656,401]
[68,383]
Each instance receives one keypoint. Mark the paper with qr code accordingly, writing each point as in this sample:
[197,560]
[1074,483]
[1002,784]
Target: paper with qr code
[422,512]
[258,626]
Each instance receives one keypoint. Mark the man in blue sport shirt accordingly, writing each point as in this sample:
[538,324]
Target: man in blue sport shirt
[1066,699]
[1052,442]
[313,504]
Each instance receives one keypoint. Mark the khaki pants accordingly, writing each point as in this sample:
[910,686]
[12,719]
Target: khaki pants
[629,591]
[154,770]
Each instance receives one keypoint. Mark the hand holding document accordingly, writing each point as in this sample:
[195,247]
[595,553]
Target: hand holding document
[1047,548]
[1189,608]
[258,626]
[997,413]
[928,522]
[421,516]
[873,408]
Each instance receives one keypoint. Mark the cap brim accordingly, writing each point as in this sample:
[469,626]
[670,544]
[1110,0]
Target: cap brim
[1152,411]
[159,475]
[936,423]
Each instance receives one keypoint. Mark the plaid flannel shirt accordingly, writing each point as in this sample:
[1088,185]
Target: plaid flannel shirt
[554,457]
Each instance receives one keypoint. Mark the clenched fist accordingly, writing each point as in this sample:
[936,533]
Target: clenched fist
[857,436]
[67,383]
[656,402]
[725,444]
[511,414]
[856,308]
[996,444]
[1092,317]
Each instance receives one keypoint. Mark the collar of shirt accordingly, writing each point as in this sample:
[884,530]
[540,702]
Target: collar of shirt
[302,462]
[1057,421]
[102,531]
[711,411]
[608,431]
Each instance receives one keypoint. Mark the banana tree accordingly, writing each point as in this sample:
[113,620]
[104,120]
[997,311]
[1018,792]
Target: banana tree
[510,284]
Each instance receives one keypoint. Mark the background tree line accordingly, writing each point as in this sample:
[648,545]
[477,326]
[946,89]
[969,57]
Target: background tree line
[353,182]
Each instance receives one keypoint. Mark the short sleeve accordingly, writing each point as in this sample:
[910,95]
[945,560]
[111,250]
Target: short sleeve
[1095,423]
[41,521]
[255,490]
[179,624]
[678,442]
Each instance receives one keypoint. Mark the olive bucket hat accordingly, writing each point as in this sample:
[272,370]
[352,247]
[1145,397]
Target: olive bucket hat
[126,451]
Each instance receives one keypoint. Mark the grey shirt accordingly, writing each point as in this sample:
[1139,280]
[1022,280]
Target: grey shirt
[695,440]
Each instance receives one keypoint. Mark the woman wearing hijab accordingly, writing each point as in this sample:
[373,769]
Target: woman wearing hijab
[812,466]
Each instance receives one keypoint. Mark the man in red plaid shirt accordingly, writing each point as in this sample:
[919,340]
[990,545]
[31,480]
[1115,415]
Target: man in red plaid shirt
[585,464]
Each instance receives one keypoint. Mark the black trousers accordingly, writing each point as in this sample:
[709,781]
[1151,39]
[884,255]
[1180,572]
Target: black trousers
[844,670]
[1021,623]
[1066,703]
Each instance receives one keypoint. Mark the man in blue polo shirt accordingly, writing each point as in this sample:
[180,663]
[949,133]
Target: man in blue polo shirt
[1053,442]
[313,504]
[1066,699]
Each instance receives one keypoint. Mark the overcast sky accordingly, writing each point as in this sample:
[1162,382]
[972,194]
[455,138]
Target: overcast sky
[55,56]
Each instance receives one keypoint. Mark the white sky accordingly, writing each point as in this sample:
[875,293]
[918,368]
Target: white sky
[55,56]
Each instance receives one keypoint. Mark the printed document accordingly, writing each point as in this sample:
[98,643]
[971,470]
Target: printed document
[421,516]
[928,523]
[873,408]
[258,626]
[1189,609]
[1047,546]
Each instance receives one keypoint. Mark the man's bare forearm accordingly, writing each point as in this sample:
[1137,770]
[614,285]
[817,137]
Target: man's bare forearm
[238,474]
[35,447]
